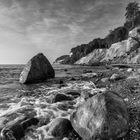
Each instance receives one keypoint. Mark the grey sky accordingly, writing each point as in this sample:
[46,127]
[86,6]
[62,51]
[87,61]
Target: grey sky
[53,26]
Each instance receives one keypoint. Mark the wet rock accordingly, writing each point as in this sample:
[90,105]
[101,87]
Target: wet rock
[17,130]
[74,94]
[60,127]
[37,69]
[72,79]
[65,70]
[115,77]
[87,71]
[104,79]
[90,75]
[61,82]
[135,33]
[86,95]
[104,116]
[60,98]
[27,123]
[129,70]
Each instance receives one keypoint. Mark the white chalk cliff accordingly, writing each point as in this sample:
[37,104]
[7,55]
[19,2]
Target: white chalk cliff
[127,51]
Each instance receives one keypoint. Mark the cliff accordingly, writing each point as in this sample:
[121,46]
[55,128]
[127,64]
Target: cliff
[84,50]
[126,51]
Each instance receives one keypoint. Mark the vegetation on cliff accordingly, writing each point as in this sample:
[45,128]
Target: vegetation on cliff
[117,35]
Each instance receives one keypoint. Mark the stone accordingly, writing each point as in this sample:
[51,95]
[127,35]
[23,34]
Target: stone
[60,128]
[17,130]
[36,70]
[27,123]
[104,79]
[74,94]
[103,116]
[129,70]
[87,71]
[115,77]
[60,98]
[135,33]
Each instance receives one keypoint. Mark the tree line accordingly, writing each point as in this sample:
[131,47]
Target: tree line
[132,15]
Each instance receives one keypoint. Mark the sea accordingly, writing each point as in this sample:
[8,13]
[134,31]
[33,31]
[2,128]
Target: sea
[18,100]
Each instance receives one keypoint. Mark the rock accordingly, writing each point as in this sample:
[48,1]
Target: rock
[37,69]
[60,98]
[104,79]
[75,94]
[104,116]
[60,128]
[129,70]
[72,79]
[135,33]
[138,70]
[65,70]
[117,77]
[87,71]
[90,75]
[61,82]
[17,130]
[27,123]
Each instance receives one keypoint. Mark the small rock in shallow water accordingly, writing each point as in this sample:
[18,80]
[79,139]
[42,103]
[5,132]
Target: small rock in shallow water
[17,131]
[117,77]
[60,127]
[129,70]
[104,116]
[60,98]
[87,71]
[104,79]
[73,93]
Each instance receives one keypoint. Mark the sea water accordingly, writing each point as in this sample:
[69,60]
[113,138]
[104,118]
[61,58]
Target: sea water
[19,100]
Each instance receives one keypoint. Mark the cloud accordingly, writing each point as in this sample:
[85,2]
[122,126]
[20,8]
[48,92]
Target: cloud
[55,26]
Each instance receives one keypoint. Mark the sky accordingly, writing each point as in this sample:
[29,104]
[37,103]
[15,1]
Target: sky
[53,27]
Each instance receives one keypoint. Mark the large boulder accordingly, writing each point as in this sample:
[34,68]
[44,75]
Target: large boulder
[37,69]
[103,116]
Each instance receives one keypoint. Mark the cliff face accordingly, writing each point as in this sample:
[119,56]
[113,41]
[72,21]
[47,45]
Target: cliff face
[118,47]
[93,58]
[60,59]
[84,50]
[126,51]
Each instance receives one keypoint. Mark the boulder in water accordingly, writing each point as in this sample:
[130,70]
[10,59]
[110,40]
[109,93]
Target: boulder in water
[104,116]
[17,130]
[61,97]
[37,69]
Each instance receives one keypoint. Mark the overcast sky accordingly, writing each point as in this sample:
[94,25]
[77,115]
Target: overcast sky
[53,27]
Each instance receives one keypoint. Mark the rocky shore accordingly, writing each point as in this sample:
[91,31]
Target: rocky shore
[125,51]
[95,103]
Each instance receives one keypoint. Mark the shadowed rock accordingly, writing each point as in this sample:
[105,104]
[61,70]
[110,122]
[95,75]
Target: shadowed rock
[102,117]
[60,98]
[37,69]
[60,127]
[74,94]
[17,131]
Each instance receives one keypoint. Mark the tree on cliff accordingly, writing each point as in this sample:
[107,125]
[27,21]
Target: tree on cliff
[132,11]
